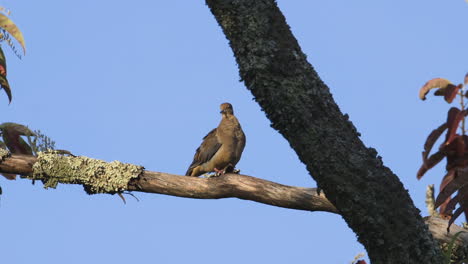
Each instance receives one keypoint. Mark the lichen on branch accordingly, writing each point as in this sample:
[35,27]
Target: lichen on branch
[4,154]
[96,176]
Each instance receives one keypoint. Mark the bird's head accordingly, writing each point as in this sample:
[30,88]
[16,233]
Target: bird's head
[226,108]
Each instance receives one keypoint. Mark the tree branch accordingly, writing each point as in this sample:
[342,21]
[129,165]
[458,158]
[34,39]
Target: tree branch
[226,186]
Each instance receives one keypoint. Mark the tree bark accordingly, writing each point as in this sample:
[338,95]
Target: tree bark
[367,194]
[227,186]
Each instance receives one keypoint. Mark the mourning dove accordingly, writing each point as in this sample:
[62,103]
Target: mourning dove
[222,148]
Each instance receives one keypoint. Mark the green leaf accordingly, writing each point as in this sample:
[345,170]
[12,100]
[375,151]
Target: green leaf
[448,253]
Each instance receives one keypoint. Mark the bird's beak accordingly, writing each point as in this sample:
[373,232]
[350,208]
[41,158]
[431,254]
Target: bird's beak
[221,112]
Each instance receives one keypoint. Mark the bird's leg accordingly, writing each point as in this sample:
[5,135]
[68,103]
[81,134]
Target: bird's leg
[229,168]
[219,172]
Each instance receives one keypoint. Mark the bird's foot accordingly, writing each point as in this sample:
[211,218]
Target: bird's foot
[219,172]
[209,175]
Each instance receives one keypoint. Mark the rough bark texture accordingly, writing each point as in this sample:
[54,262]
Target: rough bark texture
[226,186]
[367,194]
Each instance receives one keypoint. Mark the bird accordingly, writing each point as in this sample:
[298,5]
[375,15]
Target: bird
[221,148]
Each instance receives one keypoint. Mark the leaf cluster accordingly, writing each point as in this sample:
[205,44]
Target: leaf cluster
[8,33]
[454,150]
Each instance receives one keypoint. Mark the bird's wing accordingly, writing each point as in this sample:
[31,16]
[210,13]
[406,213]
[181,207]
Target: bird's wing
[206,151]
[240,145]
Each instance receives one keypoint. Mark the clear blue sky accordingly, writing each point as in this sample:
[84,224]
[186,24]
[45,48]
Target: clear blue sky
[141,82]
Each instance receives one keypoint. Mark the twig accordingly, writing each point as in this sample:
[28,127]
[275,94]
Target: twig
[430,200]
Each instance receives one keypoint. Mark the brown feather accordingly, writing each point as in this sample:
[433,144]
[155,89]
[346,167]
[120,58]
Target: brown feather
[221,148]
[205,152]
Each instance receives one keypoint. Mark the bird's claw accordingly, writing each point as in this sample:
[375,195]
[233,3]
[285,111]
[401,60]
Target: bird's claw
[219,172]
[210,175]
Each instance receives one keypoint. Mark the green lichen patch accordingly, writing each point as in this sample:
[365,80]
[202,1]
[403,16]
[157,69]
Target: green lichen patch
[4,154]
[96,176]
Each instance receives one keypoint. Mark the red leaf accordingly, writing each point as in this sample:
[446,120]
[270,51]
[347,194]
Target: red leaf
[451,92]
[454,216]
[2,71]
[462,198]
[463,194]
[466,79]
[432,138]
[454,117]
[440,92]
[3,78]
[460,178]
[455,152]
[430,162]
[450,206]
[434,83]
[444,207]
[450,187]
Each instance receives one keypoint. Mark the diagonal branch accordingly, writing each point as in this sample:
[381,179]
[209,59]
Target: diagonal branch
[227,186]
[369,196]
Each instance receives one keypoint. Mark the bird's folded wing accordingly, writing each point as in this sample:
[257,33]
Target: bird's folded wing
[207,150]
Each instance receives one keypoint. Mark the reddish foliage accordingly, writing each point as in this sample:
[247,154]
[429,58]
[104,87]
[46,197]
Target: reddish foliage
[462,198]
[3,75]
[432,138]
[361,262]
[452,186]
[446,206]
[2,71]
[454,118]
[440,92]
[430,162]
[434,159]
[432,84]
[450,206]
[451,92]
[454,149]
[455,152]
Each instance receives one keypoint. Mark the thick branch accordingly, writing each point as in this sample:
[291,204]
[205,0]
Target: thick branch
[226,186]
[367,194]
